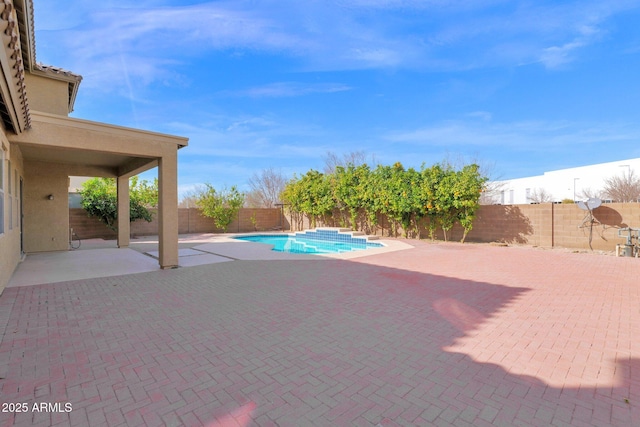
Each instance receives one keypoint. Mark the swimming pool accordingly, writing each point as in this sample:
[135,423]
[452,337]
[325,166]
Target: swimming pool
[301,244]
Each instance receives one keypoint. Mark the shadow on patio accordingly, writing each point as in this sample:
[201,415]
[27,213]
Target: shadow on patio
[282,343]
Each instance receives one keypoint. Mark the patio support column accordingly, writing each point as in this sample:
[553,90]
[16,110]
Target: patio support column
[124,224]
[168,209]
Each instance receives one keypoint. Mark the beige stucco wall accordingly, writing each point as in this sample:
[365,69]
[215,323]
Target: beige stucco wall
[46,222]
[10,239]
[48,95]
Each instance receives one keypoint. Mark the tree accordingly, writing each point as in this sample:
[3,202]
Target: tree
[266,188]
[310,195]
[429,183]
[445,212]
[448,196]
[467,190]
[332,160]
[317,195]
[396,188]
[589,193]
[100,199]
[623,188]
[190,198]
[491,192]
[540,195]
[222,206]
[443,194]
[350,192]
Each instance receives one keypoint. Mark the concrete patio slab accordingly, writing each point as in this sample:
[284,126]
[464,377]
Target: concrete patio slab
[102,258]
[203,259]
[51,267]
[191,257]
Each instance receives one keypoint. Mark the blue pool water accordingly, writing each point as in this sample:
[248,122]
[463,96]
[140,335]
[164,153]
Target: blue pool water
[312,243]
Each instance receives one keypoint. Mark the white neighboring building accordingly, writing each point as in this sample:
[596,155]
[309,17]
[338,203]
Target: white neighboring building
[573,183]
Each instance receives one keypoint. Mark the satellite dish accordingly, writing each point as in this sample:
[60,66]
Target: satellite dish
[590,204]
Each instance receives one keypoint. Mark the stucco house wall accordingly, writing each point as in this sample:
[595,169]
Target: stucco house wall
[46,220]
[10,252]
[47,95]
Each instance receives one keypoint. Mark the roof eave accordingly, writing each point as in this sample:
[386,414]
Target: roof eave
[24,9]
[24,12]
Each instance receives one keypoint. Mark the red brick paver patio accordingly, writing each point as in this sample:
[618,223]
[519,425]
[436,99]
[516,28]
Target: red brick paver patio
[443,334]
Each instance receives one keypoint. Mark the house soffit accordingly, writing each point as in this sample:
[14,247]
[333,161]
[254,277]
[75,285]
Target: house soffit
[74,157]
[73,141]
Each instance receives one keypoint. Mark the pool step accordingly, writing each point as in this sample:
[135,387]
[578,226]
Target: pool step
[351,232]
[339,232]
[314,248]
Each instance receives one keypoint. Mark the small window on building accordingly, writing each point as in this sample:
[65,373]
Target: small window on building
[528,194]
[511,193]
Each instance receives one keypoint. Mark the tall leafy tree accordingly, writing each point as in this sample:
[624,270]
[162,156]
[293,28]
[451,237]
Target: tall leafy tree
[100,199]
[397,193]
[311,195]
[444,199]
[466,193]
[350,189]
[441,193]
[222,206]
[430,177]
[317,197]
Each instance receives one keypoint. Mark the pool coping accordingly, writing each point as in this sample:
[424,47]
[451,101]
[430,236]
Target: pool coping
[260,252]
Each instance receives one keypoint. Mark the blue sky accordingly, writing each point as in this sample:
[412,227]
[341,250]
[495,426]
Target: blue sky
[522,87]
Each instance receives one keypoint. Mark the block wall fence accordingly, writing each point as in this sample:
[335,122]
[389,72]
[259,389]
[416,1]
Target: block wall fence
[547,225]
[189,221]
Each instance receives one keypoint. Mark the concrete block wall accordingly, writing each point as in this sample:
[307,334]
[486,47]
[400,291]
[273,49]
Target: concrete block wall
[570,232]
[87,227]
[547,225]
[189,221]
[517,224]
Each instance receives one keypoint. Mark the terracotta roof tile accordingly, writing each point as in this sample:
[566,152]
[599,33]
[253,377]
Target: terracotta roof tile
[50,69]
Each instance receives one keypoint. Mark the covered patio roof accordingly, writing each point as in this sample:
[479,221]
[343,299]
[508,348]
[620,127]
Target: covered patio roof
[111,150]
[89,148]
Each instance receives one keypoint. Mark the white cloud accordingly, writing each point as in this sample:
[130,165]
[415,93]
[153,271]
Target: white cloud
[483,115]
[348,34]
[520,136]
[555,56]
[288,89]
[251,137]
